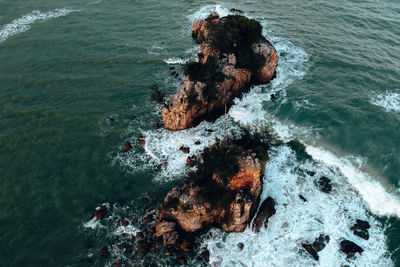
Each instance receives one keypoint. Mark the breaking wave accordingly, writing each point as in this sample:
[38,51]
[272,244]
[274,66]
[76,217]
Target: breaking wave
[25,22]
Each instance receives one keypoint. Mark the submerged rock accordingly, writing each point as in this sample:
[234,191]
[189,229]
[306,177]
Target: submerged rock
[361,229]
[315,247]
[325,184]
[302,198]
[266,210]
[190,105]
[350,248]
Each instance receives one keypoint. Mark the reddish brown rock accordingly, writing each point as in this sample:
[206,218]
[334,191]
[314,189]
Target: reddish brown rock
[162,165]
[127,147]
[241,245]
[142,142]
[104,252]
[197,143]
[191,206]
[184,149]
[182,261]
[124,223]
[206,255]
[191,161]
[179,114]
[100,212]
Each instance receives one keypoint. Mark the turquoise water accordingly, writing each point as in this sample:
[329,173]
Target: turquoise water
[67,66]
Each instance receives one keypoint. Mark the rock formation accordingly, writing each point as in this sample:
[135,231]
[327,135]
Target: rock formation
[179,113]
[210,199]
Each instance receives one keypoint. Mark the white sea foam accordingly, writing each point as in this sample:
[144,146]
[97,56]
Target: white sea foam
[296,221]
[390,101]
[379,200]
[175,60]
[163,145]
[203,12]
[25,22]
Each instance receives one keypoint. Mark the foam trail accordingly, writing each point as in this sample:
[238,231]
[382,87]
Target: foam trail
[25,22]
[379,200]
[390,101]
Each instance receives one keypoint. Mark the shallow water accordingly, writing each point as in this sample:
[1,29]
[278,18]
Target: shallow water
[67,66]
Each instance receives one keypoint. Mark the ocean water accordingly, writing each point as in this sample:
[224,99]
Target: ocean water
[67,67]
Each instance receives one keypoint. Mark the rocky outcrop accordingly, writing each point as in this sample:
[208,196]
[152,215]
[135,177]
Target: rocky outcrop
[198,203]
[350,248]
[180,113]
[361,229]
[267,209]
[315,247]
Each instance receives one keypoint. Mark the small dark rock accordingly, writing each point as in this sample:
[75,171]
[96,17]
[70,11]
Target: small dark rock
[104,252]
[325,184]
[236,10]
[162,165]
[206,255]
[209,130]
[158,125]
[176,75]
[318,245]
[143,247]
[185,246]
[124,223]
[140,135]
[191,161]
[350,248]
[100,212]
[172,72]
[133,222]
[201,56]
[148,219]
[302,198]
[111,119]
[267,209]
[361,229]
[118,263]
[241,245]
[133,118]
[182,261]
[197,143]
[127,147]
[171,68]
[184,149]
[273,97]
[145,199]
[311,173]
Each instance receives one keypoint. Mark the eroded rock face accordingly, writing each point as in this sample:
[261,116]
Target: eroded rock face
[179,114]
[194,205]
[267,209]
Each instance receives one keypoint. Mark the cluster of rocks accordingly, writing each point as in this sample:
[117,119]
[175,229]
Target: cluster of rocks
[179,113]
[195,205]
[348,247]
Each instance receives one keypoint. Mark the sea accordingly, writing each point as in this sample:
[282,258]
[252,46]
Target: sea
[75,79]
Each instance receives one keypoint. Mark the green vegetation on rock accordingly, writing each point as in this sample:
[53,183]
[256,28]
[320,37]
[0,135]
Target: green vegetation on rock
[208,73]
[236,34]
